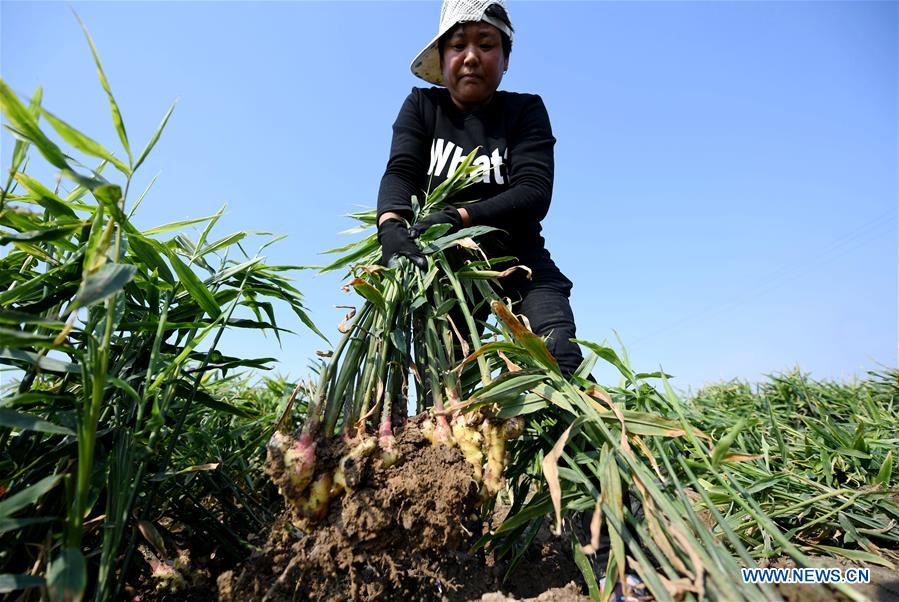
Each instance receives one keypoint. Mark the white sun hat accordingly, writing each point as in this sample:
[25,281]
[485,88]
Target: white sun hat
[427,64]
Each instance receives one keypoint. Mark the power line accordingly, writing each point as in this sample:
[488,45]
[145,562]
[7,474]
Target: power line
[856,238]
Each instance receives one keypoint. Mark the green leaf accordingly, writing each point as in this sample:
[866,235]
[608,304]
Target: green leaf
[574,476]
[27,496]
[21,147]
[155,137]
[355,230]
[364,251]
[205,399]
[358,243]
[525,404]
[534,344]
[13,524]
[886,470]
[10,583]
[22,221]
[114,107]
[44,363]
[612,495]
[13,317]
[103,283]
[260,363]
[852,453]
[856,555]
[210,225]
[583,371]
[260,325]
[225,274]
[140,198]
[445,242]
[859,442]
[51,233]
[369,293]
[657,374]
[609,355]
[494,346]
[30,290]
[110,195]
[193,284]
[83,142]
[556,397]
[23,398]
[775,426]
[724,444]
[89,182]
[444,307]
[175,226]
[222,243]
[45,198]
[366,216]
[642,423]
[27,422]
[399,341]
[67,576]
[481,274]
[507,387]
[460,179]
[168,475]
[434,231]
[11,337]
[95,249]
[305,319]
[586,568]
[26,125]
[537,507]
[851,534]
[148,255]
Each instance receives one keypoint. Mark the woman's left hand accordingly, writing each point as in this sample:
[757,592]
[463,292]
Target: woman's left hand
[452,216]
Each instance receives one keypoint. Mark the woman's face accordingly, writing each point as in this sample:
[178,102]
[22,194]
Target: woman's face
[473,64]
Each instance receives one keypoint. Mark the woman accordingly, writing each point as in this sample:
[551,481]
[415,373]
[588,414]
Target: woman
[438,127]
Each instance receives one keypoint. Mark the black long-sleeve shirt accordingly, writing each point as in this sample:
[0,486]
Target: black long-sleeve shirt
[431,136]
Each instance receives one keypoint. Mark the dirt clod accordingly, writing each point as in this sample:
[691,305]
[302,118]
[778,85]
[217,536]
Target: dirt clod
[403,533]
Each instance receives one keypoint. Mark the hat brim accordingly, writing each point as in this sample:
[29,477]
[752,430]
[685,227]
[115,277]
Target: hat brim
[427,64]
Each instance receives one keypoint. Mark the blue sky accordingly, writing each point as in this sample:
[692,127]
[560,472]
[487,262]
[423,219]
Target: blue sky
[726,172]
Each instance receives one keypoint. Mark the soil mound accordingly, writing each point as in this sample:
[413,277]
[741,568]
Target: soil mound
[403,533]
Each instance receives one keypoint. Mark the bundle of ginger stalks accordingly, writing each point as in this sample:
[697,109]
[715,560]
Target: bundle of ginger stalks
[565,446]
[402,333]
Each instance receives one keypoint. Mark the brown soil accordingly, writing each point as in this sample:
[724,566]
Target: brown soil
[404,533]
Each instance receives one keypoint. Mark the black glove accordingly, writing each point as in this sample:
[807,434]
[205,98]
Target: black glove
[450,216]
[396,240]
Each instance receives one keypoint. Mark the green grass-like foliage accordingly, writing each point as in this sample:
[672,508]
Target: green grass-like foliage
[819,460]
[120,413]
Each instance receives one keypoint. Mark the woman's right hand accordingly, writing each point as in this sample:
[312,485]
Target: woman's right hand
[396,241]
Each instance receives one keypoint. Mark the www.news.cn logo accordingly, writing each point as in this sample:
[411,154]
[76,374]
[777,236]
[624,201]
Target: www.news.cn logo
[806,575]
